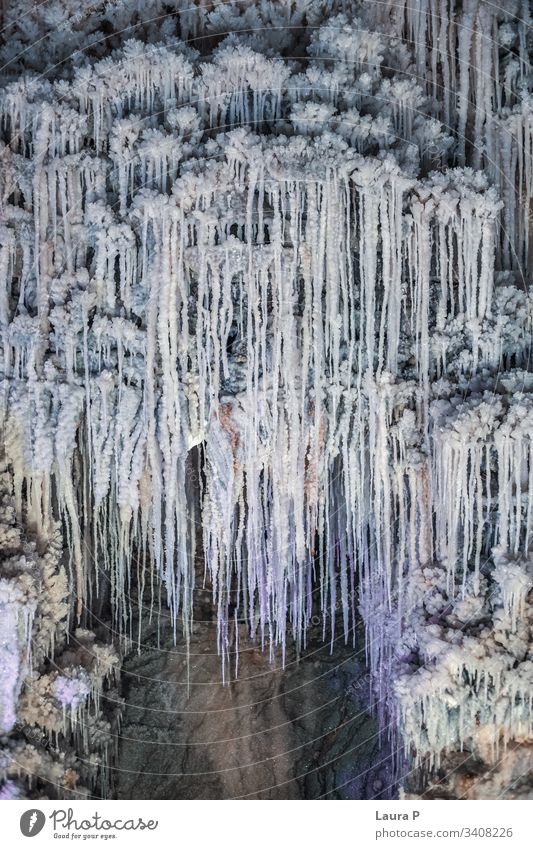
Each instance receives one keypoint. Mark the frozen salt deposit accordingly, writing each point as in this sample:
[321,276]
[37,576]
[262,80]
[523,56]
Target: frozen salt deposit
[298,262]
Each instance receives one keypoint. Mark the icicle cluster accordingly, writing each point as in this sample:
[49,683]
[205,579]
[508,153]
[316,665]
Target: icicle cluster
[464,673]
[54,735]
[295,269]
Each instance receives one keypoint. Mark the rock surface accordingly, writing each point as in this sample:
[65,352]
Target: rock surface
[299,733]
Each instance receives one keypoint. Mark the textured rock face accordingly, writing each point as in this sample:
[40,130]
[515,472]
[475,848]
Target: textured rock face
[463,775]
[298,733]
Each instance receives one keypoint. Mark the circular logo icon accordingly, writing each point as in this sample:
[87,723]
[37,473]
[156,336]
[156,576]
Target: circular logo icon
[32,822]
